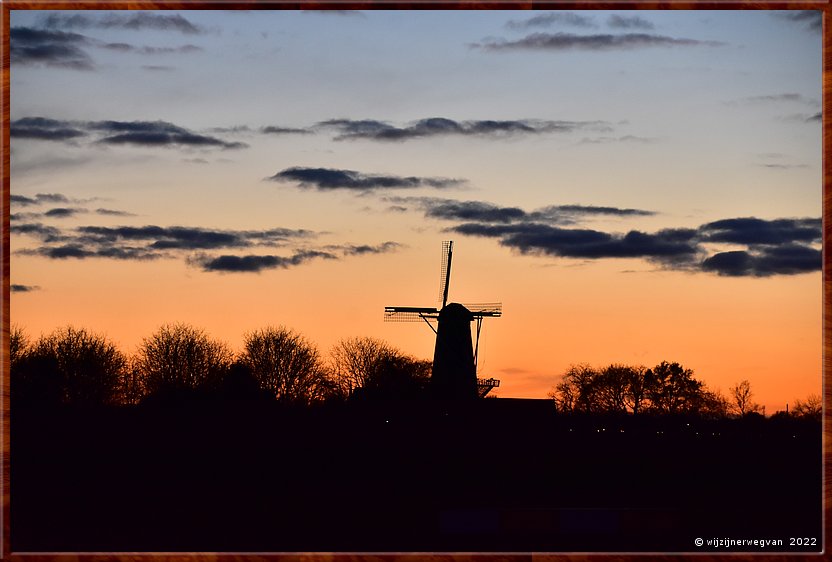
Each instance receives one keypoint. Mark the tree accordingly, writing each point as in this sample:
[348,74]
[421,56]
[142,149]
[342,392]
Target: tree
[286,365]
[710,404]
[69,365]
[672,389]
[741,398]
[18,346]
[575,393]
[811,408]
[636,390]
[397,376]
[609,388]
[179,357]
[354,361]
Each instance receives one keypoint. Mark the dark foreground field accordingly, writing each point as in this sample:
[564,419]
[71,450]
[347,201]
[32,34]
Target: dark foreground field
[499,475]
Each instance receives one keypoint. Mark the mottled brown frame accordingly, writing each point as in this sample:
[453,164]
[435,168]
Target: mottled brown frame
[7,5]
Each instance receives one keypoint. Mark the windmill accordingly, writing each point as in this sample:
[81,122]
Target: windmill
[454,373]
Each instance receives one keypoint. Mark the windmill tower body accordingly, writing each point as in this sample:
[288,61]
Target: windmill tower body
[454,375]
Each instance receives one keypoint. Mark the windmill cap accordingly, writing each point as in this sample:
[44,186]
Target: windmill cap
[455,310]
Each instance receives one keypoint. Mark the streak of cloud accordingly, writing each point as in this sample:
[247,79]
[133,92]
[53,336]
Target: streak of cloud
[553,18]
[328,179]
[598,42]
[349,129]
[617,21]
[813,19]
[17,288]
[61,49]
[258,263]
[133,21]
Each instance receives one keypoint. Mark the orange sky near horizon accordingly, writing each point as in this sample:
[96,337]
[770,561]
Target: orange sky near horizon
[726,330]
[544,148]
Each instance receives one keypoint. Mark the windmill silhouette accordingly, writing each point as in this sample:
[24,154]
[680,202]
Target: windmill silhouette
[454,373]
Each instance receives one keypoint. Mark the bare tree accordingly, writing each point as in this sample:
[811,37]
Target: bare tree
[575,393]
[811,408]
[286,365]
[180,357]
[69,365]
[18,345]
[636,390]
[741,395]
[610,386]
[354,361]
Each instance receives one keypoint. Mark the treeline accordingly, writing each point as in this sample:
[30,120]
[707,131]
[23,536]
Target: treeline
[667,388]
[179,363]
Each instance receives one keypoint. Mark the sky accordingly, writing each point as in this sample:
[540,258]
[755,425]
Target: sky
[633,186]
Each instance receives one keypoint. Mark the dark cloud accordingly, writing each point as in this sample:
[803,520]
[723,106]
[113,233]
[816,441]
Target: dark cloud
[352,250]
[22,200]
[76,251]
[273,130]
[472,211]
[42,128]
[754,231]
[140,133]
[38,230]
[255,263]
[158,68]
[52,198]
[29,46]
[813,19]
[559,210]
[772,247]
[552,18]
[63,212]
[480,211]
[790,259]
[133,21]
[157,133]
[326,179]
[187,238]
[145,242]
[114,213]
[629,22]
[597,42]
[440,126]
[128,48]
[817,117]
[541,239]
[15,288]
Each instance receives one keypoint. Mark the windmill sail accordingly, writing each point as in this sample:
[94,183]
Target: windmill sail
[485,308]
[445,271]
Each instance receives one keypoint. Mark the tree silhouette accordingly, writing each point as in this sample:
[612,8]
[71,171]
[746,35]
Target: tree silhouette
[18,346]
[69,365]
[668,388]
[610,388]
[811,408]
[178,358]
[354,361]
[741,395]
[672,388]
[636,391]
[575,393]
[286,365]
[397,376]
